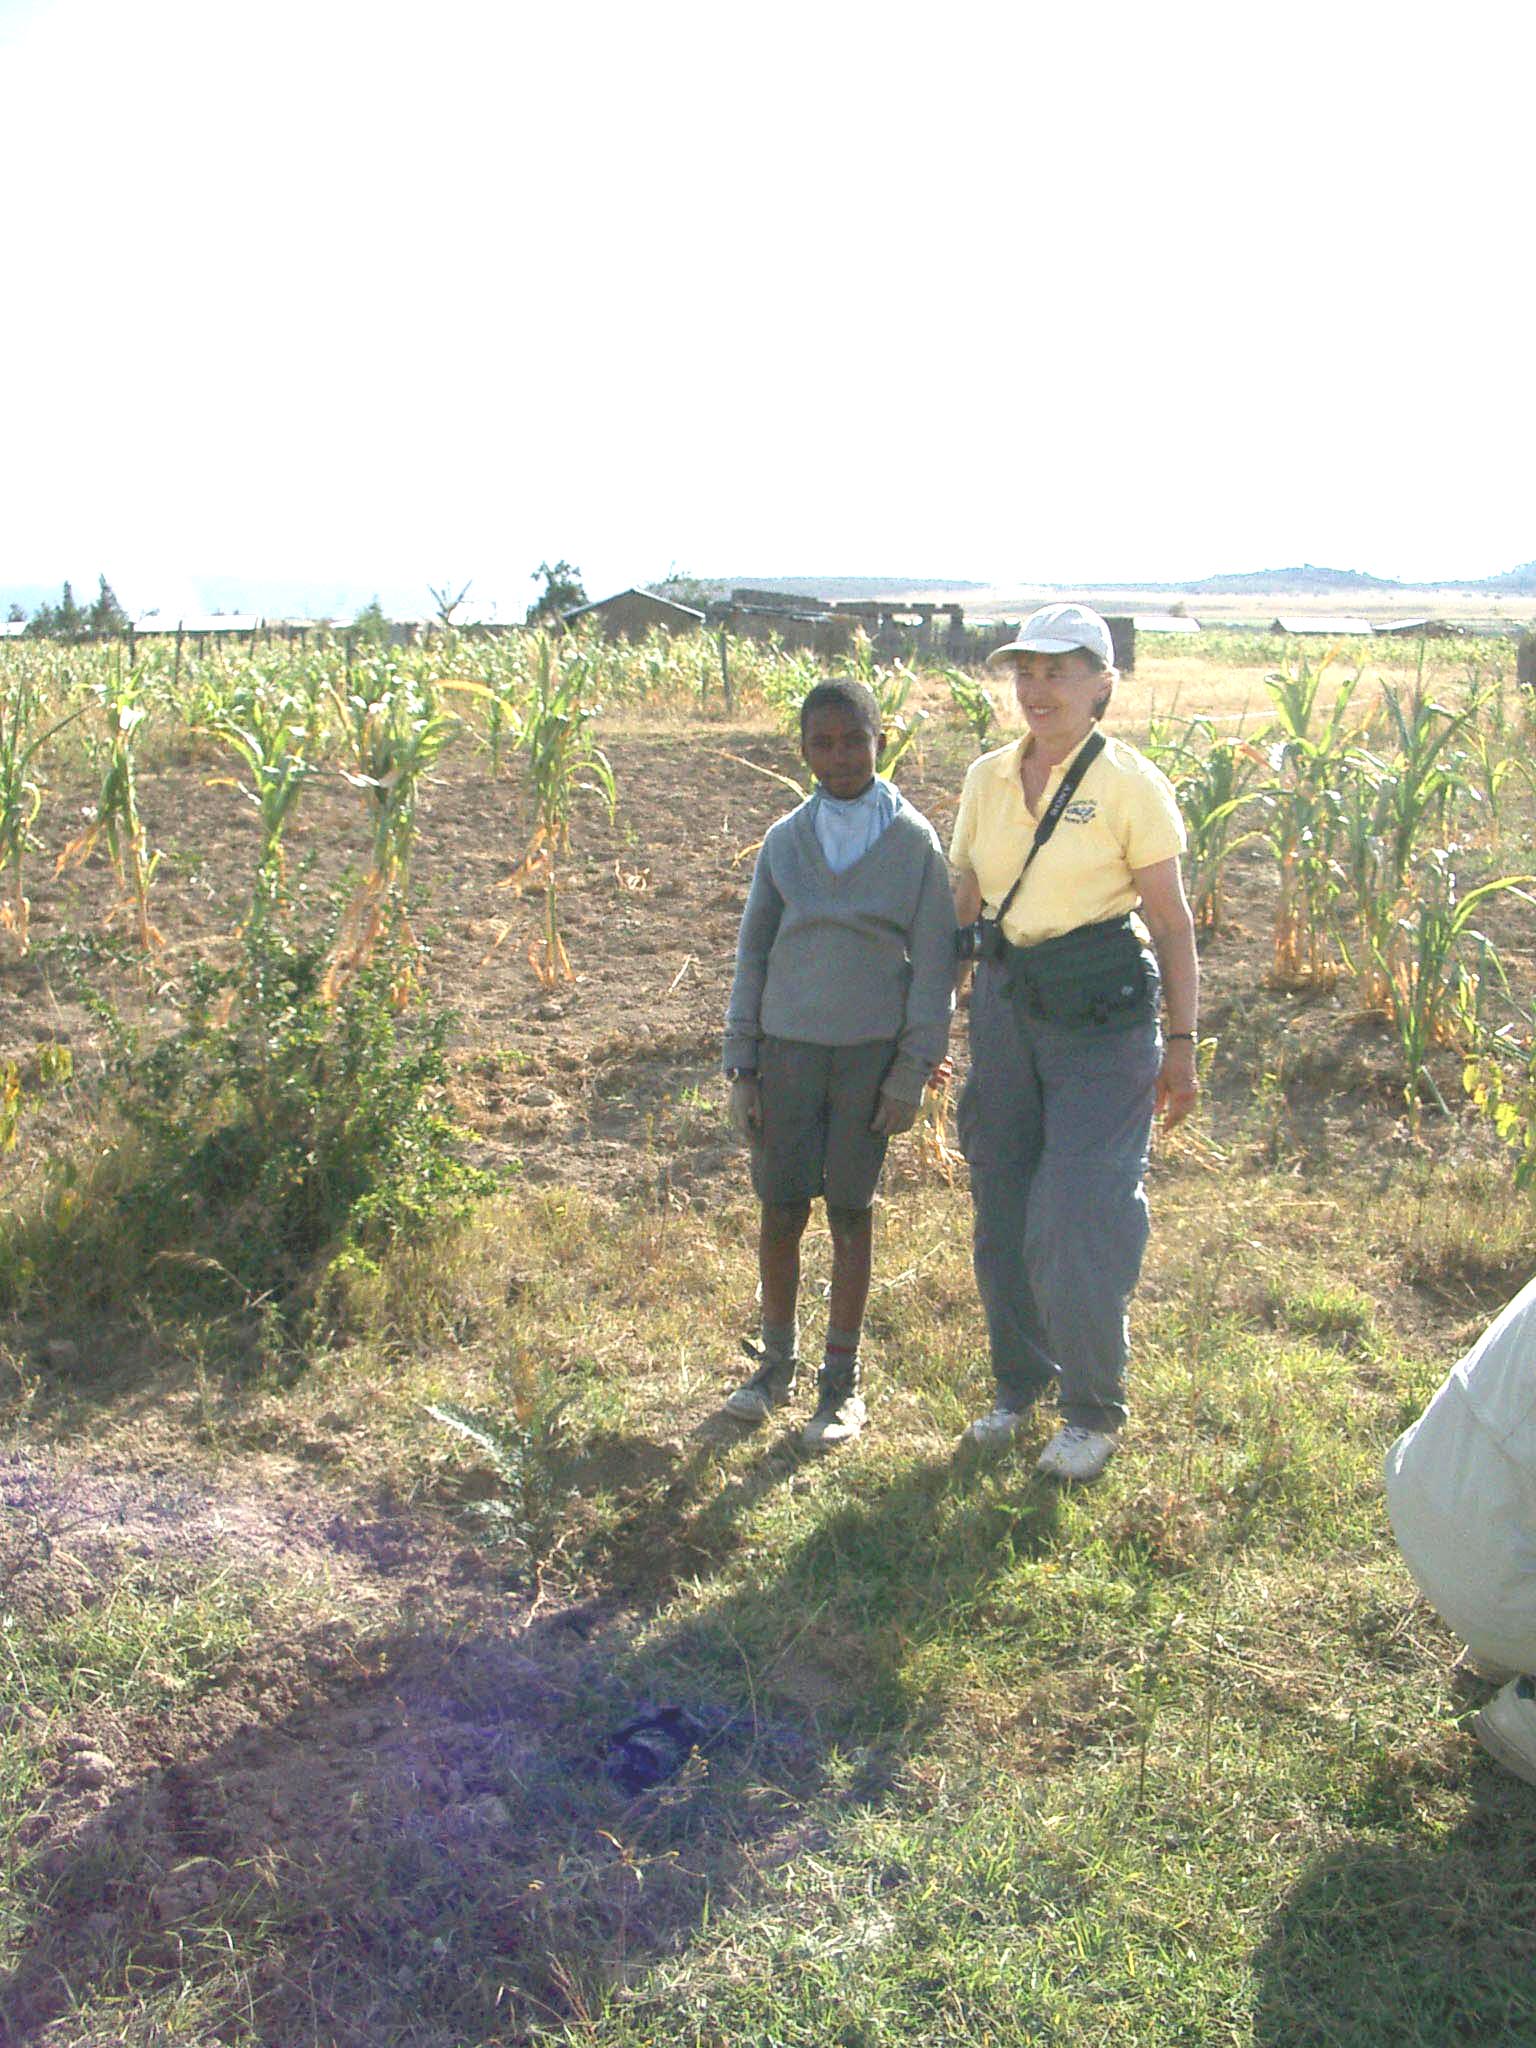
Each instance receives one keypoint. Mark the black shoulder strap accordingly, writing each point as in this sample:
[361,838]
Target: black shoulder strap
[1066,789]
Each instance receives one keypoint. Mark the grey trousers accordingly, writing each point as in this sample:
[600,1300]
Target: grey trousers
[1054,1125]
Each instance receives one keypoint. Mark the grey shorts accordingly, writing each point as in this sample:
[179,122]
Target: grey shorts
[817,1104]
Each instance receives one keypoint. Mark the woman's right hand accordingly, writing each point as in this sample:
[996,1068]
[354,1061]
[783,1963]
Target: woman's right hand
[746,1107]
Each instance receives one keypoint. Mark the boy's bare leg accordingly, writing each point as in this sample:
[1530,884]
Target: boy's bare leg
[840,1408]
[853,1236]
[778,1259]
[780,1229]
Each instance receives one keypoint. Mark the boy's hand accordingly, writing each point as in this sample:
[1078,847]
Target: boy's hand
[892,1116]
[746,1107]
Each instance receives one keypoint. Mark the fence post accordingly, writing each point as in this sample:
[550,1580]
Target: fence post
[1525,661]
[725,678]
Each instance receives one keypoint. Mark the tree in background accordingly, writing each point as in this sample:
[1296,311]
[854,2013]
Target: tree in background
[15,616]
[106,616]
[370,626]
[67,621]
[680,588]
[61,621]
[562,590]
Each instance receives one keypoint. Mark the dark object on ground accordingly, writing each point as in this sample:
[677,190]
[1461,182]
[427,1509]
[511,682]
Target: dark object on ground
[653,1747]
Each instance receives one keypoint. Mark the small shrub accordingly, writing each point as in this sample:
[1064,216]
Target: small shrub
[274,1129]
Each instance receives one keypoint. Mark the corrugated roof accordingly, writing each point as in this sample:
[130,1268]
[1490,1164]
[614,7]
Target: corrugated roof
[597,603]
[1164,622]
[1436,628]
[1334,626]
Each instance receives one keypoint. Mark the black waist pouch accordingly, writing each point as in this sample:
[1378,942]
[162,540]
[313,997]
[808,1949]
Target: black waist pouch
[1097,978]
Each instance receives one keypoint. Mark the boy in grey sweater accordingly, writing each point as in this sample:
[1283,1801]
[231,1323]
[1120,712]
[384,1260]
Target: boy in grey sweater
[839,1012]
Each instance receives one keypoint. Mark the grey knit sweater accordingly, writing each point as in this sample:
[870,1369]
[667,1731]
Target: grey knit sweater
[843,959]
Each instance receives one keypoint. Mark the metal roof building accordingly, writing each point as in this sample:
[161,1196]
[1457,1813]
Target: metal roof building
[1329,626]
[631,614]
[1421,629]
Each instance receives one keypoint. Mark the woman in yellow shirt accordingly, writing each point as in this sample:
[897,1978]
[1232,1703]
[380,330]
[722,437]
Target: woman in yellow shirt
[1068,1061]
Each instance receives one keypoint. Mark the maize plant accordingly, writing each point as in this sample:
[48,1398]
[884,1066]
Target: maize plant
[275,732]
[21,798]
[1490,764]
[1421,791]
[892,687]
[393,730]
[116,816]
[1500,1077]
[1431,986]
[1388,804]
[563,760]
[505,687]
[1303,814]
[1213,776]
[974,702]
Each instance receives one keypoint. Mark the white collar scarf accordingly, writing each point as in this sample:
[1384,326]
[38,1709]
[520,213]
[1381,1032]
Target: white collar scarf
[847,827]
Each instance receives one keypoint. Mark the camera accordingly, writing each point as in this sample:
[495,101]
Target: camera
[982,940]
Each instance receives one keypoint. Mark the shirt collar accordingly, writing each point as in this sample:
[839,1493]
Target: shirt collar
[1011,759]
[879,791]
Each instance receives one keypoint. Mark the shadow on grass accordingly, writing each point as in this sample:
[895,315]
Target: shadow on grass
[432,1851]
[1388,1943]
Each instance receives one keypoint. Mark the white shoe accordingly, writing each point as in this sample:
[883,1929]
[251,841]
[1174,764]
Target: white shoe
[1507,1728]
[1077,1454]
[996,1426]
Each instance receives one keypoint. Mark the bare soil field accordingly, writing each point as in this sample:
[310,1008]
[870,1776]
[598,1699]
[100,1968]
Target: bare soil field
[612,1080]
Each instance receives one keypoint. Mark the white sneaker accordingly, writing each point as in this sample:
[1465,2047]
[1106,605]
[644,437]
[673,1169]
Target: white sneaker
[996,1426]
[1077,1454]
[1507,1728]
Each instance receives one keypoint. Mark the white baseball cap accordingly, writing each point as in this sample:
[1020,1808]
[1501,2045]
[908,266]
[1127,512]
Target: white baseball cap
[1058,629]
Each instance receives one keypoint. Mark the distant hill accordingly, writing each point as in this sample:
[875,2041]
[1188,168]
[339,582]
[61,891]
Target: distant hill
[1521,581]
[1307,579]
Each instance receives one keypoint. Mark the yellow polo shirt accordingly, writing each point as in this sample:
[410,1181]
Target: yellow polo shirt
[1123,815]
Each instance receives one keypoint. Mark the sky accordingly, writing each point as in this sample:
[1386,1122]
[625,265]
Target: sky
[372,297]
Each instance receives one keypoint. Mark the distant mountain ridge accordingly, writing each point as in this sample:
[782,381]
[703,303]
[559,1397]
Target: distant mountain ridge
[1308,579]
[1521,580]
[1303,579]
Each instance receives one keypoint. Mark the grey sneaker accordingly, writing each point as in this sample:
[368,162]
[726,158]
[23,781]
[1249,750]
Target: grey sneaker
[773,1383]
[838,1419]
[1077,1454]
